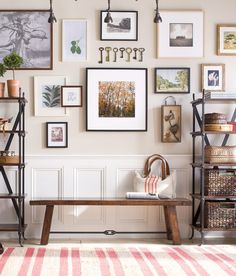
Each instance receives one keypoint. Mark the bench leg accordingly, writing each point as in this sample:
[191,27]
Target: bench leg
[173,223]
[167,221]
[47,224]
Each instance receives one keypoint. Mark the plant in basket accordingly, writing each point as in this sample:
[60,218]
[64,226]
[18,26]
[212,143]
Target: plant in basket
[12,62]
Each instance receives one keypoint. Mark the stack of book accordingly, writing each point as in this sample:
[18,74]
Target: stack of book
[219,95]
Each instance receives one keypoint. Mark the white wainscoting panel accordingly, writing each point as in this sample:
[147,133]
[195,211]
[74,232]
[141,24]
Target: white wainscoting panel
[94,176]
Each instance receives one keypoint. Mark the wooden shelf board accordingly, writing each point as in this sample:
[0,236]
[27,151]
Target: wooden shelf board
[11,227]
[223,197]
[208,165]
[12,100]
[6,196]
[12,164]
[198,228]
[213,101]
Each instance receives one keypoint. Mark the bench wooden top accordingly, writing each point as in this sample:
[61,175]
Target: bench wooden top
[111,201]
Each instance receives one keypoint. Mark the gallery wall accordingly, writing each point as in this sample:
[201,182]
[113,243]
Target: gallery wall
[82,142]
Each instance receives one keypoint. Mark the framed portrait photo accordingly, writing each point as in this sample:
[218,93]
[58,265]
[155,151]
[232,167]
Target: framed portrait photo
[213,77]
[71,96]
[172,80]
[74,40]
[47,96]
[57,134]
[226,39]
[28,33]
[116,99]
[171,123]
[180,34]
[123,27]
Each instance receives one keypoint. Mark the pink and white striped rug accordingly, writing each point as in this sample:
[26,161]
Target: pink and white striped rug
[119,260]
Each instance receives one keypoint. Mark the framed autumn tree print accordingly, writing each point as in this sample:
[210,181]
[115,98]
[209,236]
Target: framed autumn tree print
[116,99]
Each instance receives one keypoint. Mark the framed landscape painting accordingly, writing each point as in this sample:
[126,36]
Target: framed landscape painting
[47,95]
[172,80]
[28,33]
[116,99]
[123,27]
[74,40]
[226,39]
[180,34]
[213,77]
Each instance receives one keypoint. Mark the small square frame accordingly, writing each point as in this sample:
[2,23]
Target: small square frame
[178,79]
[56,134]
[171,123]
[114,31]
[71,96]
[213,77]
[226,39]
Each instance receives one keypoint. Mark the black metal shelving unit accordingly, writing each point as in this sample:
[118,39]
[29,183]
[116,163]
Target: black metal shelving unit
[199,198]
[18,197]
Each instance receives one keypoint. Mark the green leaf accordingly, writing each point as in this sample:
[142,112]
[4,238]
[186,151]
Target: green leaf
[73,42]
[78,50]
[73,49]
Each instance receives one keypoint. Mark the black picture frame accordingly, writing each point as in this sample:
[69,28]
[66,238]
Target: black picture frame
[167,80]
[56,134]
[102,115]
[122,28]
[21,31]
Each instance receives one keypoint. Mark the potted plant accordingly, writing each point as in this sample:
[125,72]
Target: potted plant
[2,84]
[11,62]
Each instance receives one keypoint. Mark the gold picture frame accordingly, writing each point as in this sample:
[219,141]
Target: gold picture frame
[226,39]
[213,77]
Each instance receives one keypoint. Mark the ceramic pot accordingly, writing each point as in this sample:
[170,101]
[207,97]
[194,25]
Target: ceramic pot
[13,87]
[2,89]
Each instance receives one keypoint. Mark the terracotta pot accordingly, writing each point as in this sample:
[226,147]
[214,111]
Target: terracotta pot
[2,88]
[13,87]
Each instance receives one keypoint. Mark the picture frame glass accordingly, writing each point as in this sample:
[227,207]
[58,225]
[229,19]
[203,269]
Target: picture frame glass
[71,96]
[172,80]
[56,135]
[28,33]
[74,40]
[226,39]
[213,77]
[123,27]
[180,34]
[127,87]
[47,95]
[171,124]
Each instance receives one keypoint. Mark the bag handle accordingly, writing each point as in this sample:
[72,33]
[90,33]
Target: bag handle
[165,169]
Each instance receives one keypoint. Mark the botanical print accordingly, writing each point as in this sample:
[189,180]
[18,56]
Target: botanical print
[181,35]
[172,80]
[213,78]
[229,40]
[29,34]
[116,99]
[56,134]
[171,124]
[51,96]
[74,40]
[119,25]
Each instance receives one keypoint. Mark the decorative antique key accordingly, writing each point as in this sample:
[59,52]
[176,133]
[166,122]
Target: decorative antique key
[141,50]
[115,50]
[101,49]
[135,53]
[128,51]
[108,49]
[122,49]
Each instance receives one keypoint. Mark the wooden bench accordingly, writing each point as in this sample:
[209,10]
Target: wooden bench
[169,205]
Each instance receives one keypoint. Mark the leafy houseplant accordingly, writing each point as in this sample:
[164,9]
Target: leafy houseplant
[12,62]
[2,84]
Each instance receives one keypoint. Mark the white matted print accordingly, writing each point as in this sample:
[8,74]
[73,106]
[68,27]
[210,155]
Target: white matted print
[181,34]
[74,39]
[47,95]
[71,96]
[213,77]
[116,99]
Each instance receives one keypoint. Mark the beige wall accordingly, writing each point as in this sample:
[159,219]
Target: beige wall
[82,142]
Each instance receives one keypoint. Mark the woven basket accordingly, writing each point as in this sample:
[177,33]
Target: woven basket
[220,182]
[9,159]
[220,214]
